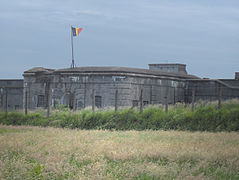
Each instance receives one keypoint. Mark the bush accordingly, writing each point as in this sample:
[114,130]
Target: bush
[204,118]
[13,118]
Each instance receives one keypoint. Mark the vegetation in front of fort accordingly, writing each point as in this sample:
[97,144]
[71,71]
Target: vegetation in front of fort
[203,118]
[28,152]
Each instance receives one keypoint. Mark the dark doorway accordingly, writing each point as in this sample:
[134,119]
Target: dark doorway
[98,101]
[68,100]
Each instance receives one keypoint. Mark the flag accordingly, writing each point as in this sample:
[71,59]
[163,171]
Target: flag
[76,31]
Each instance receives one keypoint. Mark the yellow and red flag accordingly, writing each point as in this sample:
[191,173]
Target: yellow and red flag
[76,31]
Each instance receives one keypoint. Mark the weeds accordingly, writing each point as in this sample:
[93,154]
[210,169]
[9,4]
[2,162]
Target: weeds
[203,118]
[56,153]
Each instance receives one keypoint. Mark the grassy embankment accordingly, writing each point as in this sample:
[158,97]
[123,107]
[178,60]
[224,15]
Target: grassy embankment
[53,153]
[204,118]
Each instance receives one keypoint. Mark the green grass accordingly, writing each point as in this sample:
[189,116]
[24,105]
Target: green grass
[4,130]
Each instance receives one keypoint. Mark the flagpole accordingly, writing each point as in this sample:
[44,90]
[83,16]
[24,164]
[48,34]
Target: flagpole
[72,50]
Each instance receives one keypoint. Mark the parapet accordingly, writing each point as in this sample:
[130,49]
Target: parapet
[172,68]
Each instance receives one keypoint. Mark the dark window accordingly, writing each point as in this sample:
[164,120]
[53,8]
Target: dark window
[145,103]
[17,107]
[98,101]
[71,104]
[135,103]
[80,104]
[40,101]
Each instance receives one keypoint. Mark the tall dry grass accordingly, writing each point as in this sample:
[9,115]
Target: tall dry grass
[51,153]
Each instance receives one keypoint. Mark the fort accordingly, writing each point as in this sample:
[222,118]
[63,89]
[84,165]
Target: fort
[80,87]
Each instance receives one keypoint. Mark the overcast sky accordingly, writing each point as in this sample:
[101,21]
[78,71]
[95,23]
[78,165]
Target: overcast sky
[204,34]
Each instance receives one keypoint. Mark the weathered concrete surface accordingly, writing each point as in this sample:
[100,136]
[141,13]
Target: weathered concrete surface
[172,68]
[13,88]
[74,87]
[209,89]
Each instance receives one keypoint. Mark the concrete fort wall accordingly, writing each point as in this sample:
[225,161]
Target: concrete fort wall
[78,87]
[11,94]
[75,90]
[74,87]
[210,90]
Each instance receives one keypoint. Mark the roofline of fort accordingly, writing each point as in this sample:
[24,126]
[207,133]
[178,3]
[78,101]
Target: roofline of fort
[110,70]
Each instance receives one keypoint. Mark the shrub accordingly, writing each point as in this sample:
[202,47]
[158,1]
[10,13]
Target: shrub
[204,118]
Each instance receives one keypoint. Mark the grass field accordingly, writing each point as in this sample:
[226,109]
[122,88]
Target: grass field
[52,153]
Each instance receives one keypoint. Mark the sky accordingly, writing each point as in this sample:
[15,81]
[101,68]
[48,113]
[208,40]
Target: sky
[204,34]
